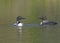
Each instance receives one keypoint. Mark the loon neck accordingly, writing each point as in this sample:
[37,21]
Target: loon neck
[18,22]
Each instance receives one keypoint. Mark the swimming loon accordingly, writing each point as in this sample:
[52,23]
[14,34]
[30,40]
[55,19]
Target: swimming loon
[18,21]
[46,22]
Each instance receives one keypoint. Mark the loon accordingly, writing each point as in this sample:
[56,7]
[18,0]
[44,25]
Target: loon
[18,22]
[46,22]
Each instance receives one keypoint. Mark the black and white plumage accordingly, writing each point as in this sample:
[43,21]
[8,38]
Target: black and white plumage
[18,23]
[46,22]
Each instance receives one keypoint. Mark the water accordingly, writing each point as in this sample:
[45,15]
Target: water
[50,34]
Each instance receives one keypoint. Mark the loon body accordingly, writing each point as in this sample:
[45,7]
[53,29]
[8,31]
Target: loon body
[19,24]
[46,22]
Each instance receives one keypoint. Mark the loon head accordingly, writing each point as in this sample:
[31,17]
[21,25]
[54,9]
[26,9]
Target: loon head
[19,18]
[43,18]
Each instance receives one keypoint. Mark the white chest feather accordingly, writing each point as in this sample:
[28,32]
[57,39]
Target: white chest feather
[20,24]
[45,21]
